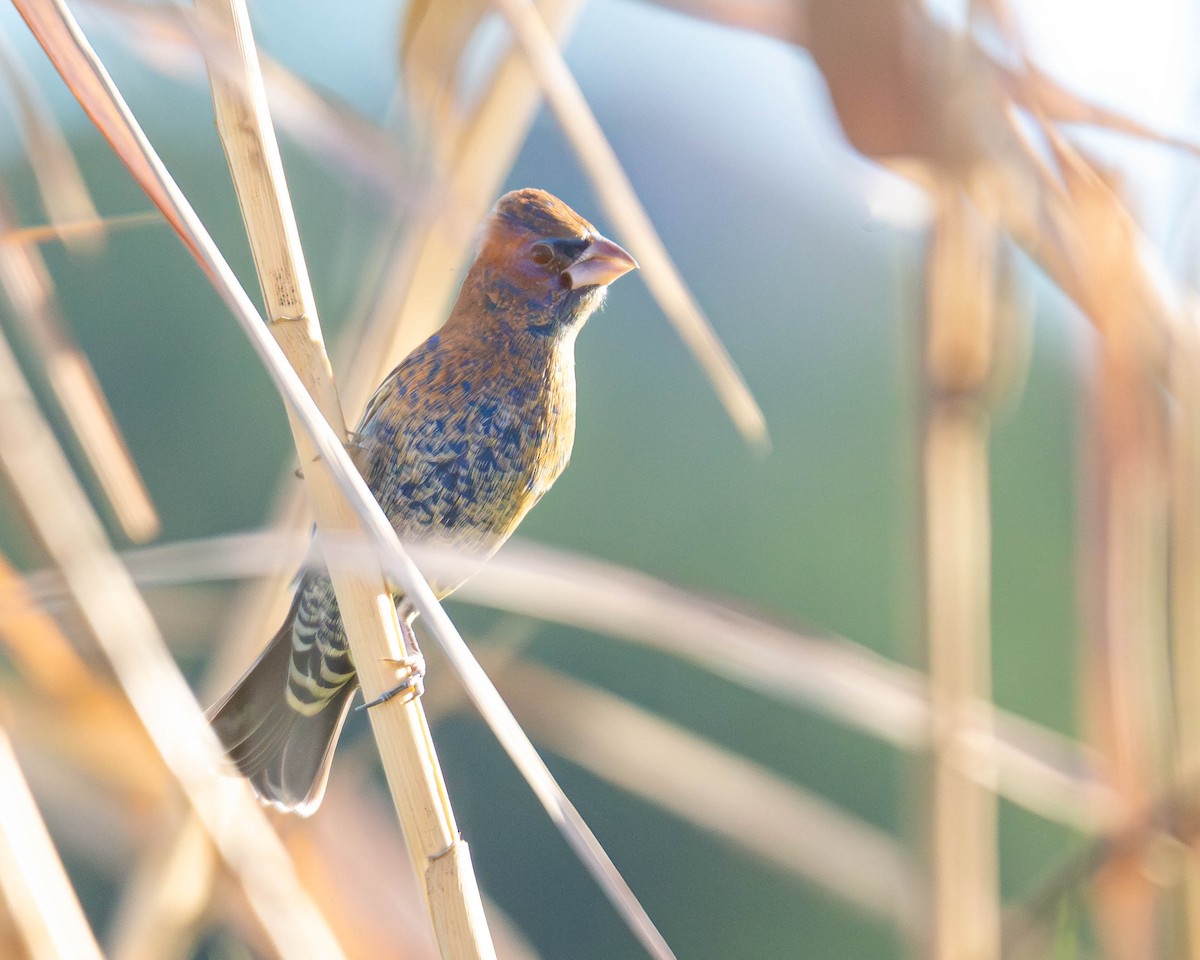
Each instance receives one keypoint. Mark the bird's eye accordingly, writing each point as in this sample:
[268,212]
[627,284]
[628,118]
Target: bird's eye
[541,254]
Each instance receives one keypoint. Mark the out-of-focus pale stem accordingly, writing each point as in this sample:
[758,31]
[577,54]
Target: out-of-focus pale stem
[64,523]
[1184,567]
[377,641]
[36,889]
[417,290]
[1124,557]
[63,41]
[959,335]
[72,228]
[27,282]
[65,194]
[1036,768]
[621,202]
[754,808]
[1123,550]
[418,285]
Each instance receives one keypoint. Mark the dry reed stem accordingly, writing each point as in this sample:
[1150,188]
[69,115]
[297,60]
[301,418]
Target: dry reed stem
[623,207]
[1035,767]
[753,808]
[1184,572]
[438,854]
[65,707]
[26,280]
[959,336]
[67,527]
[40,899]
[476,151]
[63,190]
[1124,546]
[416,287]
[45,233]
[71,54]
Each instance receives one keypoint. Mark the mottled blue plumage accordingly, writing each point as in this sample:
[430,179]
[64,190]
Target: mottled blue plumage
[457,444]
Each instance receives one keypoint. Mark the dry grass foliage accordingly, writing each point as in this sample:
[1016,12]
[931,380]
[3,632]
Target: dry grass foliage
[130,744]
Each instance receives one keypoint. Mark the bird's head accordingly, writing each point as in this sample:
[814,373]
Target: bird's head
[544,263]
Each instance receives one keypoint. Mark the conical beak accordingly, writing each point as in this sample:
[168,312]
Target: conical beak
[600,264]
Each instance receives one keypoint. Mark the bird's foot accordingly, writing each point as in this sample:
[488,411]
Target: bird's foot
[411,686]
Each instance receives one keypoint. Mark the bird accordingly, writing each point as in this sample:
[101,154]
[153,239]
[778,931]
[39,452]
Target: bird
[457,444]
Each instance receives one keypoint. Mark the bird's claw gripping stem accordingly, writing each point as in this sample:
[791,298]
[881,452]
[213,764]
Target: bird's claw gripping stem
[412,686]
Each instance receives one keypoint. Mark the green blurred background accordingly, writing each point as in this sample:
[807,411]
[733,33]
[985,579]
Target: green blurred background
[729,140]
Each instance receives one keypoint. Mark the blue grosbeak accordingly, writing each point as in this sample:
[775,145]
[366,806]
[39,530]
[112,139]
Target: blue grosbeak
[458,443]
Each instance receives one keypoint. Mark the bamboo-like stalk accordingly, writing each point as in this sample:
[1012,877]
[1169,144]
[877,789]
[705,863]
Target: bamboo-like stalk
[1034,767]
[415,288]
[63,190]
[1184,567]
[620,201]
[38,893]
[26,279]
[439,855]
[1123,544]
[755,809]
[76,61]
[1125,609]
[66,525]
[959,336]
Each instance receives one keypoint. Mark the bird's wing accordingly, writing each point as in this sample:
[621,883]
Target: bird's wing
[379,397]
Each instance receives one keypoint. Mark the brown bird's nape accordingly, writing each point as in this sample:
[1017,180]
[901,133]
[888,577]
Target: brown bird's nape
[457,444]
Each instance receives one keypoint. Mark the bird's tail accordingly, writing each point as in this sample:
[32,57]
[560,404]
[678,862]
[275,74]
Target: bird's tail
[284,753]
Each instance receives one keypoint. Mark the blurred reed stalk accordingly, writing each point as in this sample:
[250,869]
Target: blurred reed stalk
[1124,542]
[40,899]
[65,525]
[439,855]
[1125,653]
[473,147]
[620,201]
[30,289]
[959,336]
[1184,573]
[64,192]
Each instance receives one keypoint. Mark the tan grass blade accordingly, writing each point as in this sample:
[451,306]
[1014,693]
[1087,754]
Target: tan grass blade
[437,851]
[64,192]
[27,282]
[34,884]
[717,791]
[475,148]
[26,236]
[1184,572]
[623,207]
[170,40]
[433,37]
[65,706]
[1036,768]
[1124,523]
[959,339]
[78,64]
[114,612]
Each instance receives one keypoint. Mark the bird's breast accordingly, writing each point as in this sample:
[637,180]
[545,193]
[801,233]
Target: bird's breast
[464,462]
